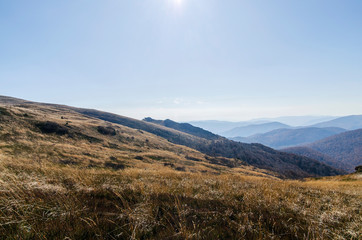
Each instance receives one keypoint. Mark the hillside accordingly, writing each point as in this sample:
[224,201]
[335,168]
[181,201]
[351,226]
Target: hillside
[346,148]
[282,138]
[253,129]
[57,136]
[352,122]
[222,151]
[343,151]
[311,153]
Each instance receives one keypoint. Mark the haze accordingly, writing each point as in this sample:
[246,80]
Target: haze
[185,60]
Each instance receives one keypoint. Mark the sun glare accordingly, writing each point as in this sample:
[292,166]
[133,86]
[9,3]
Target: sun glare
[178,2]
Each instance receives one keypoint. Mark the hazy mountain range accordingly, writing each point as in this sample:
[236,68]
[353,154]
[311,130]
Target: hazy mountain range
[253,129]
[284,137]
[219,127]
[279,135]
[326,139]
[258,126]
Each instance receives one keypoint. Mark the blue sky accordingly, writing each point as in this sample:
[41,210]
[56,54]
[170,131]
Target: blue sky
[185,59]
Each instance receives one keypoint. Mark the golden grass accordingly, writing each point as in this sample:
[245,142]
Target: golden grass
[124,187]
[50,202]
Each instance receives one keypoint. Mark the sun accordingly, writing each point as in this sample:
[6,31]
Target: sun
[178,2]
[177,5]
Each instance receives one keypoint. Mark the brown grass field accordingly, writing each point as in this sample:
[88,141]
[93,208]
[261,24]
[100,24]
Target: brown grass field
[135,185]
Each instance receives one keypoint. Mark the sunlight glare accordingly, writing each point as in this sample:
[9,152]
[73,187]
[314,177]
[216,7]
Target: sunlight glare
[178,2]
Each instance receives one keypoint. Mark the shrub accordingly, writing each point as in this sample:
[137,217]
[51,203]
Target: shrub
[52,127]
[106,130]
[115,166]
[4,111]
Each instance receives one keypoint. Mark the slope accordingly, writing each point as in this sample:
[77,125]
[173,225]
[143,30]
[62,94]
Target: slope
[311,153]
[344,147]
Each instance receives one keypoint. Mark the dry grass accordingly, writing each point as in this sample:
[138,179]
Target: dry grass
[124,187]
[47,202]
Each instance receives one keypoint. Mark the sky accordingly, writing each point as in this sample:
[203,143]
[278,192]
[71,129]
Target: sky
[185,59]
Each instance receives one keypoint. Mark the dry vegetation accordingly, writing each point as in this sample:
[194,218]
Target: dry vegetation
[133,185]
[46,202]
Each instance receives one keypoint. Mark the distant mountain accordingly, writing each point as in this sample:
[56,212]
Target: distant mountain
[219,127]
[345,148]
[349,122]
[253,129]
[300,120]
[282,138]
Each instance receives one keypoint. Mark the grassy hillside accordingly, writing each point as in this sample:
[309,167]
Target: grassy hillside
[282,138]
[65,138]
[65,175]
